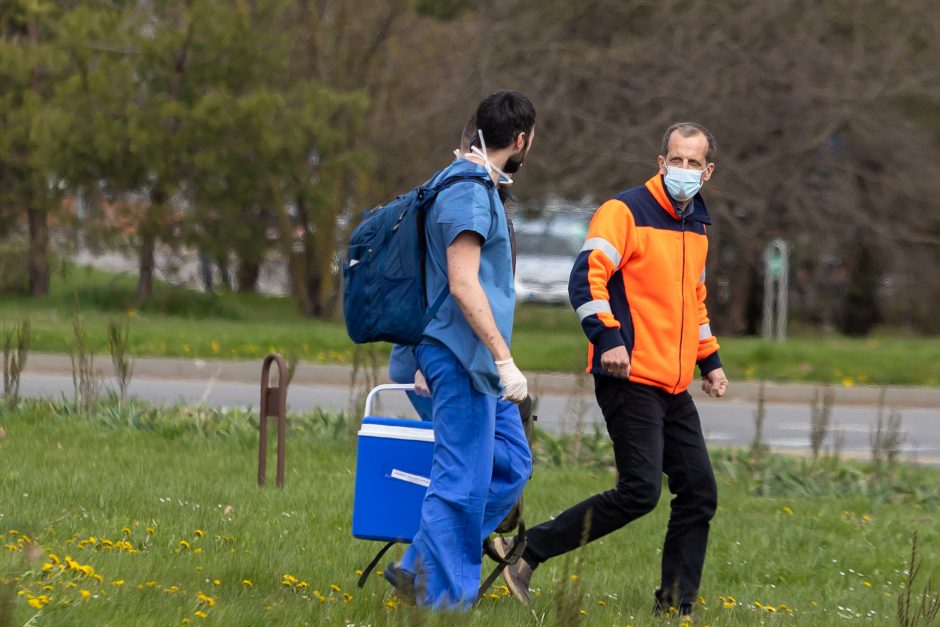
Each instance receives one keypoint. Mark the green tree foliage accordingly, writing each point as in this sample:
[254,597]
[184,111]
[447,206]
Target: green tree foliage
[28,68]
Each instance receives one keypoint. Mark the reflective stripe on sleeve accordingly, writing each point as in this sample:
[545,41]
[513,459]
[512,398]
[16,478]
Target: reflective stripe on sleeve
[592,307]
[601,244]
[704,331]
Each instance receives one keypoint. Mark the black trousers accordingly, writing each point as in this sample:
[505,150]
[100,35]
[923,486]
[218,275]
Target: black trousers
[653,432]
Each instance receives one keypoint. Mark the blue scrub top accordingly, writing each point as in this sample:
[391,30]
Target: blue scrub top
[466,207]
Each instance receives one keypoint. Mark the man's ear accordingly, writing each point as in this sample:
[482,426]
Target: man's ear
[709,169]
[519,144]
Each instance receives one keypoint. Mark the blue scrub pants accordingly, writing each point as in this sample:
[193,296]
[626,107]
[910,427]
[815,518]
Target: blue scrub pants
[481,464]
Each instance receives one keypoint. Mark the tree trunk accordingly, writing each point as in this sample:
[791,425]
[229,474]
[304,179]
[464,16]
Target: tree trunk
[38,252]
[742,281]
[148,243]
[247,276]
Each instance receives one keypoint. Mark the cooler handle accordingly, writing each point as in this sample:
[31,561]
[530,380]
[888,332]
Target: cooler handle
[383,388]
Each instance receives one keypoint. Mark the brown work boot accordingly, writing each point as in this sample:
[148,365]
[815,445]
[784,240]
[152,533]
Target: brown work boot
[516,575]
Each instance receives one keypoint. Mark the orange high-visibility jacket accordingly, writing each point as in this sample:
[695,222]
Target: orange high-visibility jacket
[639,282]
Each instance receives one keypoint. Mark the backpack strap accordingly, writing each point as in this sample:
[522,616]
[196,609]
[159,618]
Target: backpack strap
[429,195]
[375,560]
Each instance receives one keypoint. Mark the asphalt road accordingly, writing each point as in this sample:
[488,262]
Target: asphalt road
[725,422]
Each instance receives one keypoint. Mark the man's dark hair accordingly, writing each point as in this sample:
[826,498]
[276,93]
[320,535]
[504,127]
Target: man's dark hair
[688,129]
[502,116]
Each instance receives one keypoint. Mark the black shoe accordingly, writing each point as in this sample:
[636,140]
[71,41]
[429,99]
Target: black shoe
[683,612]
[402,581]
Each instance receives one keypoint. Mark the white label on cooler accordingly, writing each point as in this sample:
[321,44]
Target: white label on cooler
[410,478]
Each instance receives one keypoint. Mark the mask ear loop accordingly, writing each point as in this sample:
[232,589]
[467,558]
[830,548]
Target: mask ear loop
[504,179]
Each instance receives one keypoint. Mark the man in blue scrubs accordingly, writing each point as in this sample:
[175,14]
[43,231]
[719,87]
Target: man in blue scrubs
[481,458]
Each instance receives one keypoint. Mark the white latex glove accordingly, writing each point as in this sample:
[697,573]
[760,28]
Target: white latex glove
[513,381]
[421,385]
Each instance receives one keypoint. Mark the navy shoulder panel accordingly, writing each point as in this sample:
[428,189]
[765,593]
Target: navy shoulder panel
[646,211]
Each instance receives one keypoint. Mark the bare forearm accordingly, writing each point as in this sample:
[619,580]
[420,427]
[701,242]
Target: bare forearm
[475,306]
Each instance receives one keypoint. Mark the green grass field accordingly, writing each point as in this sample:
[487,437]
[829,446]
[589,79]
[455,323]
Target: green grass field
[150,516]
[182,323]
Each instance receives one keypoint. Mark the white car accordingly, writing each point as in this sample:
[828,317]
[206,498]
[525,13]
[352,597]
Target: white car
[546,249]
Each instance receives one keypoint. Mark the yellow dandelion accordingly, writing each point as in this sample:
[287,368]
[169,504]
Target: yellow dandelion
[359,571]
[53,558]
[183,545]
[216,347]
[582,612]
[13,532]
[770,608]
[199,533]
[205,598]
[867,584]
[379,573]
[601,602]
[247,583]
[197,550]
[48,588]
[758,604]
[47,566]
[85,593]
[216,582]
[117,582]
[35,603]
[200,614]
[574,577]
[335,588]
[151,531]
[185,621]
[126,531]
[302,585]
[788,510]
[347,597]
[813,603]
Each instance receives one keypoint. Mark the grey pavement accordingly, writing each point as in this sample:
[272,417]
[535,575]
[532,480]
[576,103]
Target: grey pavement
[566,402]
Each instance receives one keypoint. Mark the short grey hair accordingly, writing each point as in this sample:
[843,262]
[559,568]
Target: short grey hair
[688,129]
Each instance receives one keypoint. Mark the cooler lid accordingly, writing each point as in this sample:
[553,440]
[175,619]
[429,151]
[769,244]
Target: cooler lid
[397,429]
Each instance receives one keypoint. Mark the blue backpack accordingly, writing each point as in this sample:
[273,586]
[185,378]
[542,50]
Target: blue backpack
[384,296]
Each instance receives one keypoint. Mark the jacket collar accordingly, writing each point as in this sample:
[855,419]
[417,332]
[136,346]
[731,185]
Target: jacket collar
[658,190]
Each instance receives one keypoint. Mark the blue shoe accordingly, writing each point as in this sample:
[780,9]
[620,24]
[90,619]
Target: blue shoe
[402,581]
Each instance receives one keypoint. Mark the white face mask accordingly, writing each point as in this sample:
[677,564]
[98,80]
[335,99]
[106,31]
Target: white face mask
[503,178]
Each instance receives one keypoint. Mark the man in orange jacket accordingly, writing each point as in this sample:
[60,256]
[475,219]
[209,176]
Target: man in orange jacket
[638,287]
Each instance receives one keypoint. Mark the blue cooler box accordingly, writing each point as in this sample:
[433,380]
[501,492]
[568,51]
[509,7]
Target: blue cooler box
[393,470]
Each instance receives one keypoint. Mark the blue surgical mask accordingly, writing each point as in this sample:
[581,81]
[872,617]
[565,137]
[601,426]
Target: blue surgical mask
[683,184]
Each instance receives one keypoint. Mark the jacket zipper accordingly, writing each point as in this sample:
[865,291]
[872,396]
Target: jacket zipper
[682,301]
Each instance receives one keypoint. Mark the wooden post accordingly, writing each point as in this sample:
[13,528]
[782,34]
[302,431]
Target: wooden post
[273,403]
